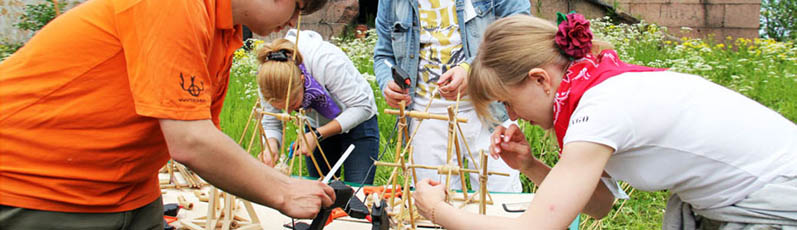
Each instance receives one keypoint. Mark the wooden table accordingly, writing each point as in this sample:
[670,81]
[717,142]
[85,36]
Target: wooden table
[273,219]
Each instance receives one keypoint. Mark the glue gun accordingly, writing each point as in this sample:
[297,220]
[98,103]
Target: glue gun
[343,194]
[401,78]
[344,198]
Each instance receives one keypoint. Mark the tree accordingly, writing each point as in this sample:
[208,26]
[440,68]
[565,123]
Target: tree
[38,15]
[778,19]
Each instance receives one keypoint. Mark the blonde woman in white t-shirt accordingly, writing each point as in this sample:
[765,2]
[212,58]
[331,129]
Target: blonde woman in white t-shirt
[728,161]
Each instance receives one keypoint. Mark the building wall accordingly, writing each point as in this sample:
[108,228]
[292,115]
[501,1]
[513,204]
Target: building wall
[736,18]
[329,21]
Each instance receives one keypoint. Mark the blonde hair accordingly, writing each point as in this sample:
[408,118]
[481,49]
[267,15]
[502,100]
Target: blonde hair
[511,47]
[273,76]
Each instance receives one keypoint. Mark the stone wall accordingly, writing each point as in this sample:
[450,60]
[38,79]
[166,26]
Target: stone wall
[329,21]
[736,18]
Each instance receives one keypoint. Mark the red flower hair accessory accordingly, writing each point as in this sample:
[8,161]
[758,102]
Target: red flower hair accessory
[574,37]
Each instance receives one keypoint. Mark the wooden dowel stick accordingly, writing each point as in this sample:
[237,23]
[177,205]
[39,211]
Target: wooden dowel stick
[182,202]
[251,210]
[228,203]
[248,121]
[408,196]
[441,169]
[251,141]
[185,176]
[452,132]
[412,161]
[187,224]
[399,144]
[472,199]
[211,210]
[312,156]
[265,139]
[250,227]
[318,145]
[424,115]
[483,184]
[449,149]
[279,116]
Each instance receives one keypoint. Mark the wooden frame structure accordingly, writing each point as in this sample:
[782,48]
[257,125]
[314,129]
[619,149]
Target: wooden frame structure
[404,215]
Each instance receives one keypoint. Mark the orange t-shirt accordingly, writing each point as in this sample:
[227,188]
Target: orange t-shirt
[80,102]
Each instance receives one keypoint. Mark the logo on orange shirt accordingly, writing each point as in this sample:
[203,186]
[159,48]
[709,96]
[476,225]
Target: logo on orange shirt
[192,89]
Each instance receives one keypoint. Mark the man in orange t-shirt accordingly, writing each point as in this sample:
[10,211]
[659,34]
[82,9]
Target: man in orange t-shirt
[101,97]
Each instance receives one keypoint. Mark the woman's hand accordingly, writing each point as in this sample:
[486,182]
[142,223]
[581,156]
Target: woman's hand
[453,81]
[394,94]
[428,194]
[270,157]
[309,147]
[510,144]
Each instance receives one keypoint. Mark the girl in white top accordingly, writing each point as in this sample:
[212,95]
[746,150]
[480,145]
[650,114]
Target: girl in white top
[727,160]
[339,103]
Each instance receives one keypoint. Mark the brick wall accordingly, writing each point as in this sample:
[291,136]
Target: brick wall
[736,18]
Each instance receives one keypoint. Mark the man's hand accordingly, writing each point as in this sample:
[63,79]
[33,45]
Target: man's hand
[270,157]
[511,145]
[394,94]
[307,149]
[452,81]
[428,193]
[305,198]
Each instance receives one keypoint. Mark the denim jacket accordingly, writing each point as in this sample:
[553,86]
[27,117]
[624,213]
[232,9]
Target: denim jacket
[398,28]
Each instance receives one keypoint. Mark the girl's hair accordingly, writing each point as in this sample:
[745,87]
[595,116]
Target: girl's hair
[511,47]
[273,75]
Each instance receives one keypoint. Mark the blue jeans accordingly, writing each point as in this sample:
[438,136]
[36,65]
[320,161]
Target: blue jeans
[365,138]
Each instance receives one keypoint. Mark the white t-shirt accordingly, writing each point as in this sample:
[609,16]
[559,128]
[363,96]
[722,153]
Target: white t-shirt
[440,50]
[706,143]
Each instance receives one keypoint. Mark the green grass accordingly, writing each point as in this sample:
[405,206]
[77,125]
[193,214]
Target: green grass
[763,70]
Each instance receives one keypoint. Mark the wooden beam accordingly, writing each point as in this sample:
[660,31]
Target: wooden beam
[424,115]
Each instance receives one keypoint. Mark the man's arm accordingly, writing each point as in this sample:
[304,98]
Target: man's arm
[219,160]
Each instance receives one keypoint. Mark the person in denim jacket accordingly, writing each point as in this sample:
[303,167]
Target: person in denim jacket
[434,41]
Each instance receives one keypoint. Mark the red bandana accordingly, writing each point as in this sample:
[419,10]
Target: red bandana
[582,75]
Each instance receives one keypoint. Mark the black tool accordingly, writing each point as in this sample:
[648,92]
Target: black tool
[516,207]
[356,208]
[379,218]
[343,193]
[401,78]
[171,209]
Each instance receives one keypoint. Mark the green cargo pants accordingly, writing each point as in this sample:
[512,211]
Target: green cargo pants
[149,216]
